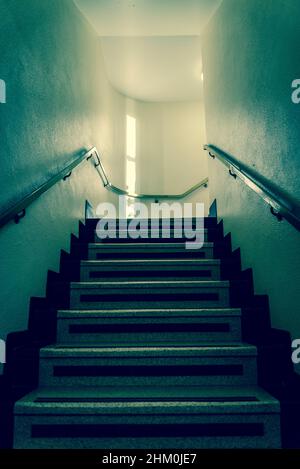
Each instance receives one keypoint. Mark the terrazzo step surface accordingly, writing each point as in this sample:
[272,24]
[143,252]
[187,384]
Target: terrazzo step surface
[172,269]
[144,365]
[147,417]
[147,313]
[148,326]
[189,293]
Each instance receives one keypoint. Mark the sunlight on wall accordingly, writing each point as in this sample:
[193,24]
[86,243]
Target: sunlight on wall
[130,161]
[130,175]
[131,136]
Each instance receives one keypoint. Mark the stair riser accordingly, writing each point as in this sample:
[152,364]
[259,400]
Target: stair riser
[148,371]
[73,331]
[162,302]
[130,251]
[245,431]
[137,272]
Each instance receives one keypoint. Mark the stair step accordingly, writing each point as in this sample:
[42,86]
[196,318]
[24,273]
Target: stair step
[233,364]
[147,311]
[147,417]
[147,250]
[150,293]
[148,326]
[207,269]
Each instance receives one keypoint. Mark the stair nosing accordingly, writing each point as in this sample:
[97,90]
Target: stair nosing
[206,312]
[150,261]
[150,245]
[264,401]
[154,283]
[141,351]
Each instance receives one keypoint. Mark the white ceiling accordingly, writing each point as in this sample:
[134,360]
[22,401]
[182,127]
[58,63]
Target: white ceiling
[148,17]
[151,48]
[155,68]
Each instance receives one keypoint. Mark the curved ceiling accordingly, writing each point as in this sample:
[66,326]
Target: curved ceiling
[152,48]
[155,68]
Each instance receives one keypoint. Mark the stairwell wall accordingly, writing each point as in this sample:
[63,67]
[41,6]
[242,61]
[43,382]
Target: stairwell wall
[170,156]
[58,102]
[250,58]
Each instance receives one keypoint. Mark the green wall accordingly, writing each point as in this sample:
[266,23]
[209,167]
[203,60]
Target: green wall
[59,101]
[251,56]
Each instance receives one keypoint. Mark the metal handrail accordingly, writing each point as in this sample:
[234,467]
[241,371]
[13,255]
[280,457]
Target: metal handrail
[279,205]
[18,210]
[108,185]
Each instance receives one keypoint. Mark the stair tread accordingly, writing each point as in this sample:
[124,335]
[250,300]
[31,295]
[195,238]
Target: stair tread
[207,312]
[108,245]
[146,399]
[149,351]
[189,261]
[147,283]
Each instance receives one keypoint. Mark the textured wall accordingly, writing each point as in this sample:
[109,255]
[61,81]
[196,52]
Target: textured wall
[251,56]
[58,102]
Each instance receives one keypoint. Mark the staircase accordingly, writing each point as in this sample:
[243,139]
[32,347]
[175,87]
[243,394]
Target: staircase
[149,355]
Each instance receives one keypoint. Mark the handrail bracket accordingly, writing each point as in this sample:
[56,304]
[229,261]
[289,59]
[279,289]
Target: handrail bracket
[19,216]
